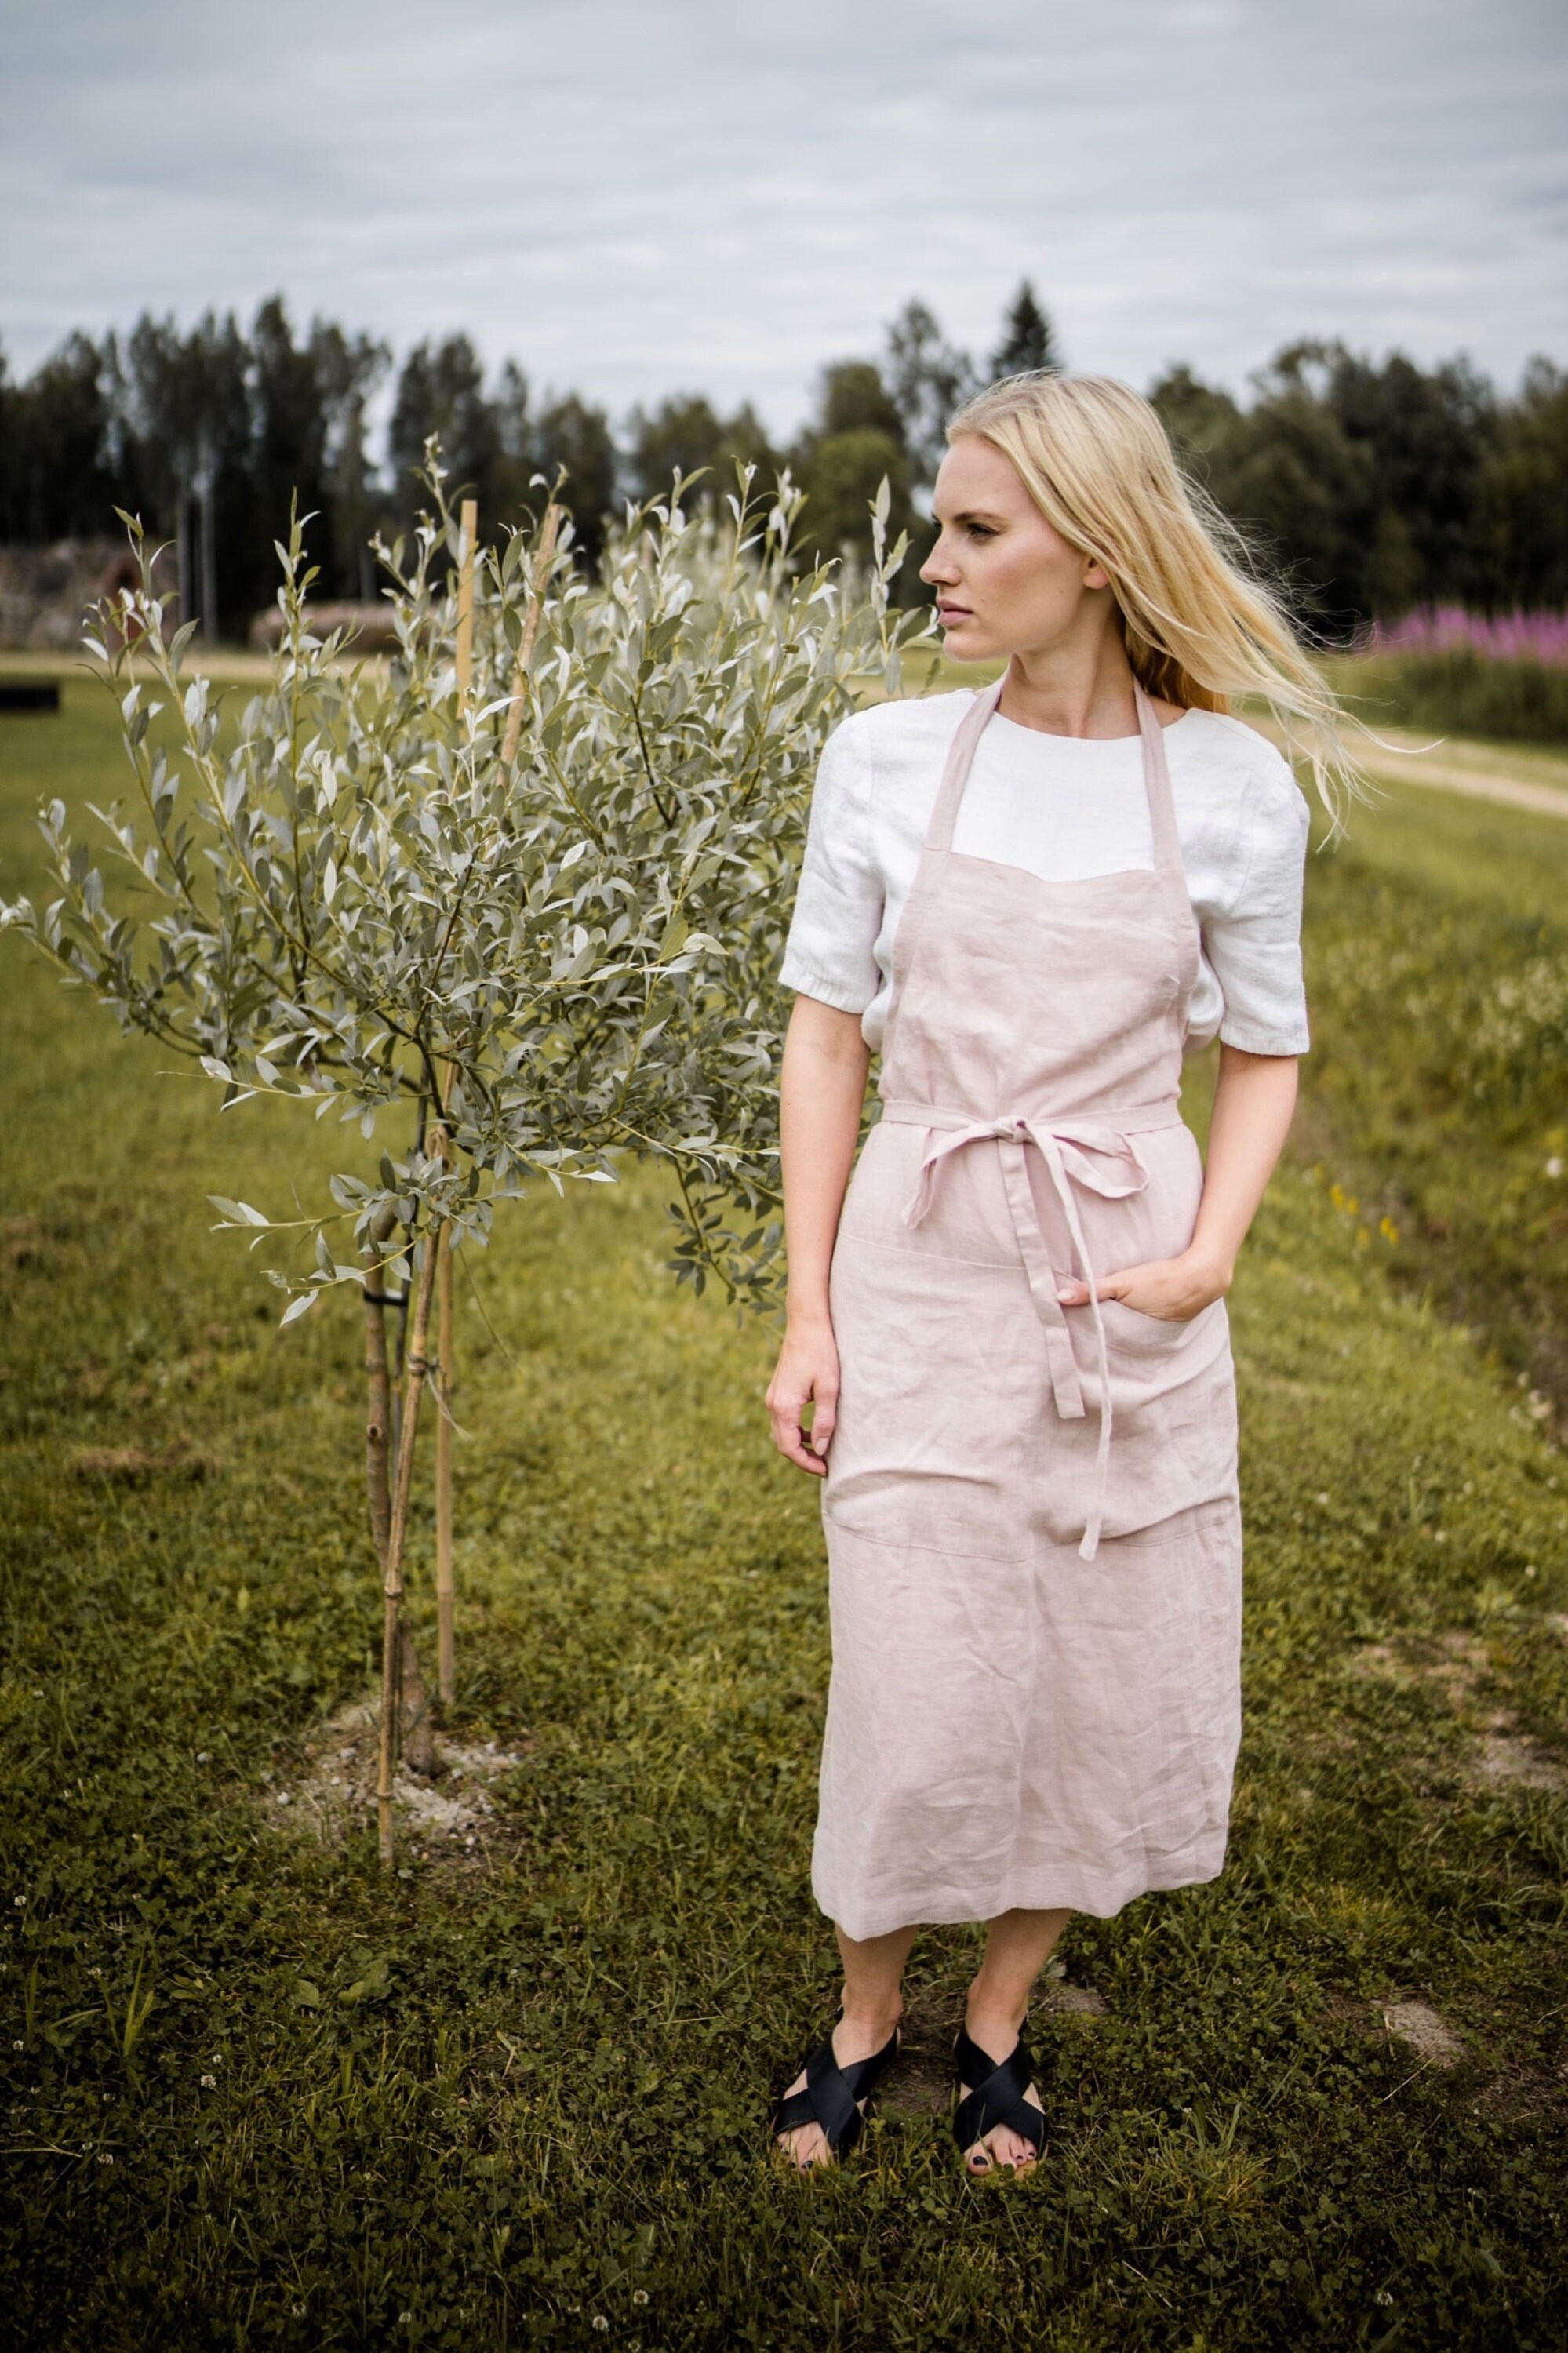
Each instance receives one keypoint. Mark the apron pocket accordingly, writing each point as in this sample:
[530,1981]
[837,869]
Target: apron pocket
[936,1511]
[1135,1338]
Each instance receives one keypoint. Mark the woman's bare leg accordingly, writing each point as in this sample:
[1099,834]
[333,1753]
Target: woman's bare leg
[1017,1946]
[873,1973]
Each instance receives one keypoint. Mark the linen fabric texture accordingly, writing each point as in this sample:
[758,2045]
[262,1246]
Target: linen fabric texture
[1032,1513]
[1065,808]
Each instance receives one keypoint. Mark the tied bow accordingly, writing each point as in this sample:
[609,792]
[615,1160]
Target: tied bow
[1103,1160]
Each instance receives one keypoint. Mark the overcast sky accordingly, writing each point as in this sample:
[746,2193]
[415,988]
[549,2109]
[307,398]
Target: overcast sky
[638,196]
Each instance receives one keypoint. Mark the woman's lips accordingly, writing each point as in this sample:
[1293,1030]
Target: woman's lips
[950,615]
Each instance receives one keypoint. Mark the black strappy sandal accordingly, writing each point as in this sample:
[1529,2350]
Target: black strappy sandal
[832,2095]
[997,2097]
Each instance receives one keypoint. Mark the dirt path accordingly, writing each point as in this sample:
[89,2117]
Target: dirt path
[1457,771]
[1515,775]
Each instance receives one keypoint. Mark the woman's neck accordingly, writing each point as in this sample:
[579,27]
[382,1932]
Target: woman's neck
[1083,689]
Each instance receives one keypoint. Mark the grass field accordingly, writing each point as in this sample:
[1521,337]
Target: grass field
[1460,688]
[257,2094]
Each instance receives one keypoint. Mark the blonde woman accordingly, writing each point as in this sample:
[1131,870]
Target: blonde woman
[1011,1328]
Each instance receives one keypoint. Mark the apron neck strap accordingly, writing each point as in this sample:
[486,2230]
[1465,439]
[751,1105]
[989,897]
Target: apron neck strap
[1156,781]
[1156,784]
[960,758]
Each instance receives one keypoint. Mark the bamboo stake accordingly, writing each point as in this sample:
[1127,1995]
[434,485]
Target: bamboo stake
[446,1646]
[392,1577]
[549,531]
[467,544]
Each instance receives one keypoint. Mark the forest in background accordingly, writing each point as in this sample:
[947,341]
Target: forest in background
[1373,487]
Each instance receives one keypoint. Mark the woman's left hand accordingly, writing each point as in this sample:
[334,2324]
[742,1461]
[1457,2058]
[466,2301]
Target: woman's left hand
[1173,1290]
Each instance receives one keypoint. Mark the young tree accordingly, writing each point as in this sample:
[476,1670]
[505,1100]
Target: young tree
[537,900]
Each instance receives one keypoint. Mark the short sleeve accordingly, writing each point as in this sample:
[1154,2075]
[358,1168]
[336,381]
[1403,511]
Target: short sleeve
[830,952]
[1253,947]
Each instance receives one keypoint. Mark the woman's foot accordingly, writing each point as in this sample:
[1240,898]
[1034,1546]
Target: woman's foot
[998,2037]
[852,2039]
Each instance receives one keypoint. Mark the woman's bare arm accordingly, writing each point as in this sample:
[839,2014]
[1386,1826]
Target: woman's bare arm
[1254,1102]
[821,1090]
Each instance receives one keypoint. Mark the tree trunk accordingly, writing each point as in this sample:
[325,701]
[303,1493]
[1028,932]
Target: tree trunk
[378,1404]
[392,1578]
[446,1657]
[416,1733]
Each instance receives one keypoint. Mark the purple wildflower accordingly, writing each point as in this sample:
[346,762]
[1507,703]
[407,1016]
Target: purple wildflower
[1500,636]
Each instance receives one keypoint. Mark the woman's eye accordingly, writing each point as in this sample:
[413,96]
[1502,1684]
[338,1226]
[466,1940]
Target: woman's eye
[980,530]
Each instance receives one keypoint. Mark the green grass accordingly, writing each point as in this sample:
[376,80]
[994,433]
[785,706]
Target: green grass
[1460,691]
[530,2091]
[1438,961]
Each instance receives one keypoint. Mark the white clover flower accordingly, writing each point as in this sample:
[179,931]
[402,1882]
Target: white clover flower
[209,2082]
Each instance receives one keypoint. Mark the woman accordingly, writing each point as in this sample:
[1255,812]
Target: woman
[1010,1333]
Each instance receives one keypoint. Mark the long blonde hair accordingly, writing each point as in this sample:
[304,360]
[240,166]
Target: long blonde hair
[1201,628]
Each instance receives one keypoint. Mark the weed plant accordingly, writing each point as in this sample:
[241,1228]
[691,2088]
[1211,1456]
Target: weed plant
[255,2093]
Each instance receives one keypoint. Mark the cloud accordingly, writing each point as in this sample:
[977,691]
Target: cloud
[631,196]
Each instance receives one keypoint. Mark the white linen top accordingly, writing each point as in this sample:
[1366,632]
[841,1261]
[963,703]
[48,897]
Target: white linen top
[1064,808]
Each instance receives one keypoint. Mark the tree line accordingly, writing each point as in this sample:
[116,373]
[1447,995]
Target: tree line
[1373,487]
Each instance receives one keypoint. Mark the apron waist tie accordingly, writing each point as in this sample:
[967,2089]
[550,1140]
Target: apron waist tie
[1098,1154]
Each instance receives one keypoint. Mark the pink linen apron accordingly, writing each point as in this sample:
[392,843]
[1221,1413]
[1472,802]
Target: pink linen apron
[1032,1524]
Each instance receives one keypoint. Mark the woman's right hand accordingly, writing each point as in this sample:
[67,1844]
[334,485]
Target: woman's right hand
[807,1373]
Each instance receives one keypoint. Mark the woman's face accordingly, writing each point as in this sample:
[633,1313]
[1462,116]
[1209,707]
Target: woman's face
[1006,581]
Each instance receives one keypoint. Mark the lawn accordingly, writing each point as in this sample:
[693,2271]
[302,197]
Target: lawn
[257,2095]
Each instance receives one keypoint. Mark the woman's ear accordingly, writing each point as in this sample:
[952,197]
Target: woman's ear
[1095,574]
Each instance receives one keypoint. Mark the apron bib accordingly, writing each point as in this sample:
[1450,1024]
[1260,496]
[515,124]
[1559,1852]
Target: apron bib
[1032,1517]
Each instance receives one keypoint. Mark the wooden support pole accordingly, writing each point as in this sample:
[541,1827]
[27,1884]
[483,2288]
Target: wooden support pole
[392,1575]
[549,531]
[468,547]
